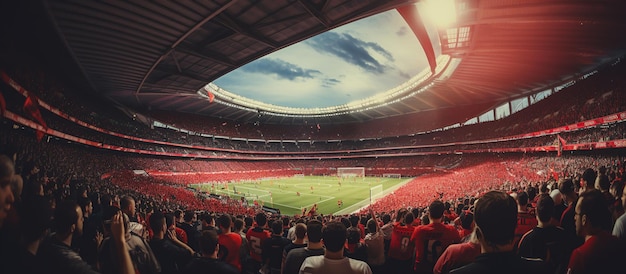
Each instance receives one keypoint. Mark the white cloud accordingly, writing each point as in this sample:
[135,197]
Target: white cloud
[319,78]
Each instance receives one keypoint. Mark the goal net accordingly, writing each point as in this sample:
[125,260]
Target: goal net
[392,175]
[376,193]
[350,172]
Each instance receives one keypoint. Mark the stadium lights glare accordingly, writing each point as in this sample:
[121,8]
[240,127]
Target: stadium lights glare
[442,13]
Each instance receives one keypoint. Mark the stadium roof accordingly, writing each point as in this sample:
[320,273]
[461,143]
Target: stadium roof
[160,55]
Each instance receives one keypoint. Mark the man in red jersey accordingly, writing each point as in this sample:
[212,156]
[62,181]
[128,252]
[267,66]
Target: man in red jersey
[526,219]
[432,239]
[401,248]
[601,252]
[255,236]
[230,242]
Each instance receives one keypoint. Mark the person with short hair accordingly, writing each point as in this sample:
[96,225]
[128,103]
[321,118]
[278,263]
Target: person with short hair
[587,180]
[401,247]
[375,244]
[208,262]
[273,249]
[255,236]
[526,219]
[128,207]
[432,239]
[601,252]
[189,226]
[546,241]
[230,242]
[333,260]
[314,247]
[495,216]
[298,242]
[56,255]
[619,228]
[171,253]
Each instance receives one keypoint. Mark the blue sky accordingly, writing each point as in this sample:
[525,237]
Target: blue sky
[346,64]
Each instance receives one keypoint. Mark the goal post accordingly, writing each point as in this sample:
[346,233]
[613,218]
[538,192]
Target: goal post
[376,193]
[343,172]
[392,175]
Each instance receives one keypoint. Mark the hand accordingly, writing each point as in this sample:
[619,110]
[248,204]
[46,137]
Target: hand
[98,238]
[172,235]
[117,227]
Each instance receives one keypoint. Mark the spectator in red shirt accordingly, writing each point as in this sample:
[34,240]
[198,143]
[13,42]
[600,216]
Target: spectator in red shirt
[230,242]
[401,248]
[432,239]
[457,255]
[255,236]
[495,215]
[526,220]
[601,252]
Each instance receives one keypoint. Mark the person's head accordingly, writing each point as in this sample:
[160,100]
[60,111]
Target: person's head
[588,179]
[408,218]
[260,219]
[545,208]
[248,221]
[7,171]
[225,222]
[190,216]
[522,199]
[386,218]
[208,219]
[354,220]
[170,221]
[566,187]
[68,219]
[158,223]
[467,219]
[178,215]
[556,197]
[238,225]
[592,213]
[372,225]
[314,231]
[602,182]
[300,231]
[495,215]
[277,228]
[334,236]
[86,206]
[435,210]
[353,235]
[401,213]
[416,212]
[208,243]
[127,204]
[617,188]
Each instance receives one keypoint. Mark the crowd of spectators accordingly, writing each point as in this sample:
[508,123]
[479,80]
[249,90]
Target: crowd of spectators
[595,96]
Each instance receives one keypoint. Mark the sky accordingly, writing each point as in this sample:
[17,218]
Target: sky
[346,64]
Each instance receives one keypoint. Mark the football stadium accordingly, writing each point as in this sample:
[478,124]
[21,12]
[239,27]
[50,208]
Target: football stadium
[311,136]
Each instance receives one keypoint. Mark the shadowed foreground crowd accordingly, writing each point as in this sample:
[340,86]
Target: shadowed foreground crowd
[569,226]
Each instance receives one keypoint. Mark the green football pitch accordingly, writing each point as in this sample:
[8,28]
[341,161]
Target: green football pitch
[292,194]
